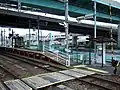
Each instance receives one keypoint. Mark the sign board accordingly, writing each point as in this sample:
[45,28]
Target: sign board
[99,53]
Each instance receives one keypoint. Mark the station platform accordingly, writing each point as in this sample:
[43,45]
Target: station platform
[48,79]
[50,57]
[106,69]
[109,68]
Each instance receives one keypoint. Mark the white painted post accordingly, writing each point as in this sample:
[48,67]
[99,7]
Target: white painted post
[43,45]
[68,60]
[104,51]
[57,55]
[43,48]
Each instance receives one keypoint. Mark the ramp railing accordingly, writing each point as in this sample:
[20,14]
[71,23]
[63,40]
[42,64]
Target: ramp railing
[57,55]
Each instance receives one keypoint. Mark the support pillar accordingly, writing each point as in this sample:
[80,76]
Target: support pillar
[1,38]
[29,33]
[118,41]
[19,5]
[95,31]
[38,34]
[12,38]
[66,23]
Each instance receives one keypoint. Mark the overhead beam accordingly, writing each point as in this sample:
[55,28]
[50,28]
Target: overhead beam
[55,5]
[107,2]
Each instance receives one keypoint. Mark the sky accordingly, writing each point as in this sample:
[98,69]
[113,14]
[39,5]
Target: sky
[22,31]
[117,0]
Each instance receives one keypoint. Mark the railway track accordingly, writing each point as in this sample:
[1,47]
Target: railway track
[107,80]
[5,74]
[31,62]
[112,78]
[21,68]
[90,82]
[39,63]
[102,84]
[14,76]
[99,83]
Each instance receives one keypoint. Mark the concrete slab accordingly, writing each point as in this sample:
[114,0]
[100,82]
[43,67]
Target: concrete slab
[86,72]
[58,76]
[2,87]
[96,70]
[73,73]
[37,82]
[44,80]
[17,85]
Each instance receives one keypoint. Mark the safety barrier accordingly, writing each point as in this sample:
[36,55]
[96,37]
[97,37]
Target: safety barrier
[58,55]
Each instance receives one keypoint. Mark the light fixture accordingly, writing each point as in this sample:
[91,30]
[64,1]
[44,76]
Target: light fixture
[63,24]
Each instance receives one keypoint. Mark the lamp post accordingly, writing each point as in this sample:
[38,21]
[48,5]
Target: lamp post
[89,16]
[12,37]
[95,29]
[66,23]
[1,37]
[38,33]
[4,38]
[9,37]
[29,32]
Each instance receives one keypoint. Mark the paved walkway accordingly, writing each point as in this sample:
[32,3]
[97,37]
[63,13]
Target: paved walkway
[107,67]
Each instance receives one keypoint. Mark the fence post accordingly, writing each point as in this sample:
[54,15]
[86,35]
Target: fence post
[57,55]
[68,60]
[82,58]
[43,48]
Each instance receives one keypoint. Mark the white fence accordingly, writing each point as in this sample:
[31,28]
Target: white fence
[58,56]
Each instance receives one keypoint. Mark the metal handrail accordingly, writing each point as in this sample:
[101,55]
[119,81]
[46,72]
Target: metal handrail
[59,55]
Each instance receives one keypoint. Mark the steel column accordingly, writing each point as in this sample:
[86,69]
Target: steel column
[112,48]
[38,33]
[95,29]
[19,5]
[66,23]
[102,54]
[29,32]
[4,37]
[12,37]
[1,37]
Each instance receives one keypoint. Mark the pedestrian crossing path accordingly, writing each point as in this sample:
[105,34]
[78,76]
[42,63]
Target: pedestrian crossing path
[2,87]
[47,79]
